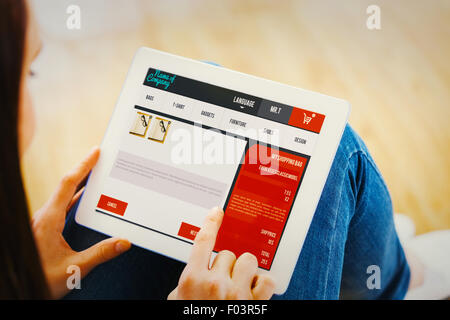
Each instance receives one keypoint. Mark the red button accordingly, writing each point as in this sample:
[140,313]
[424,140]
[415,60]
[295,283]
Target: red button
[188,231]
[305,119]
[112,205]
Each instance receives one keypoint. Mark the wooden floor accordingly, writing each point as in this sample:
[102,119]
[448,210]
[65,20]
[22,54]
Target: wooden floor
[397,78]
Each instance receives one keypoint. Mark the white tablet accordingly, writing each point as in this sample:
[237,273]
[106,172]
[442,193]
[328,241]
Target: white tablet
[186,136]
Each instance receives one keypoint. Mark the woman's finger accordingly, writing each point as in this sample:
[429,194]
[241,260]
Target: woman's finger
[68,185]
[244,270]
[263,288]
[224,262]
[100,253]
[75,199]
[205,240]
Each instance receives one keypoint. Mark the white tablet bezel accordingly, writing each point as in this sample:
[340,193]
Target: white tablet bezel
[336,113]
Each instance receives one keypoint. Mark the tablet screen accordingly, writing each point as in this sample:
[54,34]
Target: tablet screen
[191,145]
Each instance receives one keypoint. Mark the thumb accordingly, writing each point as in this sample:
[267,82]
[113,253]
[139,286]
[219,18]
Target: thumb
[102,252]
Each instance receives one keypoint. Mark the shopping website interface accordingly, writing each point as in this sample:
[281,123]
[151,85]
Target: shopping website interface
[191,146]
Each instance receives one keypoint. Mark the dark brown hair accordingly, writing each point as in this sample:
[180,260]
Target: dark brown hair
[21,274]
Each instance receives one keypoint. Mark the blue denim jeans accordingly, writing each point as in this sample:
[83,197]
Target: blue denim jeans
[352,229]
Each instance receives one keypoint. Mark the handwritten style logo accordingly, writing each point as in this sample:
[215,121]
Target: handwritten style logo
[161,78]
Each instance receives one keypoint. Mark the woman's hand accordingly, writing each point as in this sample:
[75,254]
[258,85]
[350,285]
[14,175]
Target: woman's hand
[227,278]
[48,223]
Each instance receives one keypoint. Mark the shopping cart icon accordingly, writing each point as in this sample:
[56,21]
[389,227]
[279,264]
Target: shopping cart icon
[307,119]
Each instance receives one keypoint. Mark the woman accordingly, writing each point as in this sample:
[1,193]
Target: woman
[352,232]
[34,257]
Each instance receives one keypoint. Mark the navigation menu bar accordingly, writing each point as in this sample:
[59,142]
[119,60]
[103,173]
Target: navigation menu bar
[234,100]
[234,122]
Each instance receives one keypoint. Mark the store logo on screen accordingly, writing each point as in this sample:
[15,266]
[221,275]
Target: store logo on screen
[159,79]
